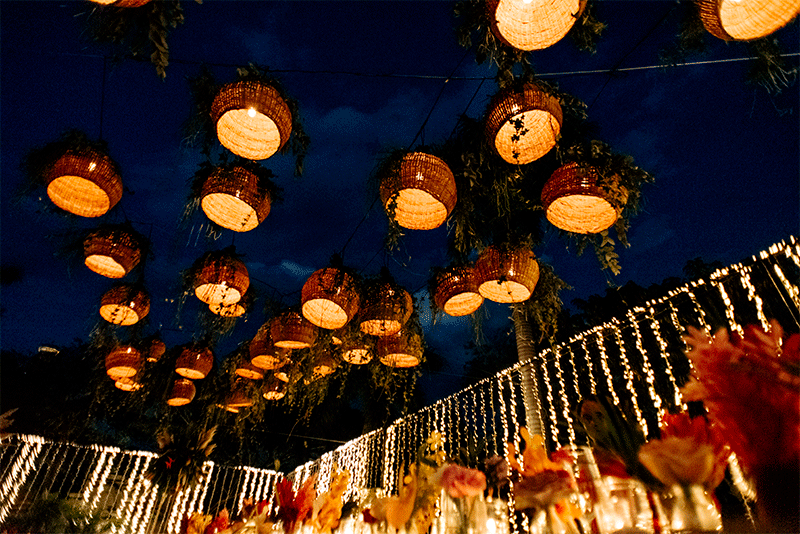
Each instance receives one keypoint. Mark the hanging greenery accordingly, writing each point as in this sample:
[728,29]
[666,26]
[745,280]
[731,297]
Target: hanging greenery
[181,455]
[544,307]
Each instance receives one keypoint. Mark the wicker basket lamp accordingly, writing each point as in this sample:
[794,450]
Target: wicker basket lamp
[265,355]
[238,398]
[324,364]
[401,350]
[330,298]
[385,308]
[220,278]
[124,305]
[532,24]
[232,198]
[231,310]
[338,336]
[182,392]
[129,383]
[247,370]
[123,362]
[252,119]
[194,363]
[457,291]
[122,3]
[111,252]
[357,352]
[273,389]
[573,201]
[285,374]
[423,190]
[156,350]
[523,123]
[506,275]
[737,20]
[85,183]
[290,330]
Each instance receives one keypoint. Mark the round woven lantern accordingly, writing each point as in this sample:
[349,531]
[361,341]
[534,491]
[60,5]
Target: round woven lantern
[506,276]
[128,384]
[274,389]
[265,355]
[231,310]
[156,351]
[737,20]
[247,370]
[385,308]
[85,183]
[194,363]
[290,330]
[232,198]
[324,364]
[523,123]
[457,291]
[220,278]
[238,398]
[252,119]
[532,24]
[357,352]
[330,298]
[573,201]
[182,392]
[112,252]
[401,350]
[423,191]
[123,362]
[124,305]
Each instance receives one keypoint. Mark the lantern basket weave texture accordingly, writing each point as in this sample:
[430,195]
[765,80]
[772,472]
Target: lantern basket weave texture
[357,352]
[265,355]
[238,398]
[573,201]
[123,362]
[401,351]
[457,291]
[246,369]
[231,310]
[423,190]
[128,384]
[220,278]
[182,392]
[194,363]
[156,351]
[735,20]
[324,364]
[385,308]
[274,389]
[124,305]
[252,119]
[86,183]
[232,199]
[532,25]
[111,252]
[290,330]
[523,123]
[330,298]
[506,275]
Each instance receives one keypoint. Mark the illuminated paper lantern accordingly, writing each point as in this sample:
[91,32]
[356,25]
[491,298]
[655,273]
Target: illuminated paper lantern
[290,330]
[182,392]
[385,308]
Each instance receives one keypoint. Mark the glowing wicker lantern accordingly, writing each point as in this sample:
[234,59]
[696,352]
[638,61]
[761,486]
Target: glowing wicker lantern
[273,389]
[220,278]
[574,201]
[128,384]
[247,370]
[738,20]
[112,252]
[330,298]
[385,308]
[506,275]
[423,191]
[84,182]
[324,364]
[232,198]
[252,119]
[182,392]
[401,350]
[194,363]
[124,305]
[290,330]
[457,291]
[123,362]
[156,351]
[523,123]
[265,355]
[532,24]
[122,3]
[357,352]
[337,336]
[285,374]
[238,398]
[231,310]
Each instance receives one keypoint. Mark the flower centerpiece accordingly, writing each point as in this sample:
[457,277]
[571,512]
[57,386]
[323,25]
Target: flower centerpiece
[462,504]
[294,509]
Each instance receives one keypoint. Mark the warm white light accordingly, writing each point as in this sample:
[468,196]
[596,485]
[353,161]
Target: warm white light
[251,112]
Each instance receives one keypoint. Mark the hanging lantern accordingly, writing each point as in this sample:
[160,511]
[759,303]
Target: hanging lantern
[285,373]
[324,364]
[330,298]
[385,308]
[156,351]
[124,305]
[574,201]
[423,191]
[123,362]
[247,370]
[232,198]
[506,276]
[252,119]
[457,291]
[238,398]
[194,363]
[231,310]
[290,330]
[128,384]
[274,389]
[357,352]
[265,355]
[182,392]
[532,24]
[737,20]
[84,182]
[523,123]
[112,252]
[401,350]
[220,278]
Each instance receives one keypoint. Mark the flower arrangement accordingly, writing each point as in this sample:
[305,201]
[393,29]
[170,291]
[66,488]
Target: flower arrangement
[293,508]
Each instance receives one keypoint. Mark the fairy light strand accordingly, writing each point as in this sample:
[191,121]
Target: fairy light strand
[650,376]
[17,476]
[628,374]
[601,345]
[562,388]
[729,311]
[664,349]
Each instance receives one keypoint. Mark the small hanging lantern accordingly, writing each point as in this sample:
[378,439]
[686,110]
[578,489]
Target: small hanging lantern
[532,24]
[85,182]
[182,392]
[737,20]
[423,191]
[506,275]
[252,119]
[290,330]
[574,201]
[233,198]
[246,369]
[112,252]
[385,308]
[238,398]
[324,364]
[330,298]
[220,278]
[357,351]
[194,363]
[456,291]
[284,374]
[265,355]
[128,384]
[402,350]
[337,336]
[156,351]
[124,305]
[123,362]
[273,389]
[523,123]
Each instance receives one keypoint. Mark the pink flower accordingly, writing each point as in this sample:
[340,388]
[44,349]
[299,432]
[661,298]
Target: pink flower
[459,481]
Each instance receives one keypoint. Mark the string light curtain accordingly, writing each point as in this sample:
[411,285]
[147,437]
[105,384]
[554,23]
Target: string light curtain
[456,291]
[737,20]
[85,182]
[194,362]
[112,252]
[123,362]
[124,304]
[290,330]
[220,278]
[330,298]
[506,274]
[532,24]
[232,198]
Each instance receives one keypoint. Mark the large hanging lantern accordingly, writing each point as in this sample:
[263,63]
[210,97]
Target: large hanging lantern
[220,278]
[273,389]
[84,182]
[357,351]
[194,363]
[574,201]
[402,350]
[246,369]
[324,364]
[265,355]
[124,305]
[385,308]
[506,275]
[252,119]
[457,291]
[745,20]
[423,191]
[532,24]
[123,362]
[290,330]
[330,298]
[232,198]
[523,123]
[112,252]
[182,392]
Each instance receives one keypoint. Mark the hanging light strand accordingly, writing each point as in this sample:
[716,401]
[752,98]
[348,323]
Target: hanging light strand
[628,374]
[562,388]
[650,376]
[663,347]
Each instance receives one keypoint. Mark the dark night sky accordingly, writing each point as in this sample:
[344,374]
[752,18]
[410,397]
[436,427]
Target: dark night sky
[724,154]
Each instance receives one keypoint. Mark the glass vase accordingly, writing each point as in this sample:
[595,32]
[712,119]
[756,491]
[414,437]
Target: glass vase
[690,508]
[462,515]
[627,508]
